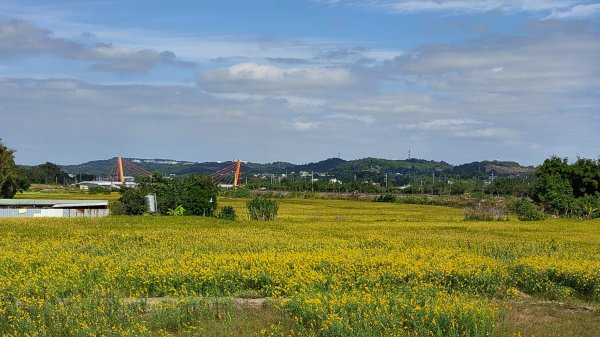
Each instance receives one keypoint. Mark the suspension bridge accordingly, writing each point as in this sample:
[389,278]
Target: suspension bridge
[228,176]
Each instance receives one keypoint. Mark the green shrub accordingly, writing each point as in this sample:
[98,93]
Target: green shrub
[227,213]
[528,211]
[414,200]
[386,198]
[116,208]
[587,206]
[485,212]
[261,208]
[178,211]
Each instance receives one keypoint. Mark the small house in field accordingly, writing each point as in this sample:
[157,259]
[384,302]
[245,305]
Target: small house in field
[33,208]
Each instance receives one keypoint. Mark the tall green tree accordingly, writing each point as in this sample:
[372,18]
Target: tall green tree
[11,177]
[199,195]
[47,173]
[553,187]
[570,190]
[585,177]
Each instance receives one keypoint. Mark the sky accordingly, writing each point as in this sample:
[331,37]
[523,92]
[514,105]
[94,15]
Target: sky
[300,80]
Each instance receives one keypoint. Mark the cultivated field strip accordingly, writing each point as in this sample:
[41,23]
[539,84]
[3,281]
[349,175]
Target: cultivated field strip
[332,268]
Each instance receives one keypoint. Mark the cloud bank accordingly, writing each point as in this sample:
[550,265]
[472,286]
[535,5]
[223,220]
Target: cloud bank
[18,38]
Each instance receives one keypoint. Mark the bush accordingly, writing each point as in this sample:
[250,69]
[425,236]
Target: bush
[178,211]
[485,212]
[261,208]
[227,213]
[587,206]
[132,201]
[116,208]
[414,200]
[386,198]
[528,211]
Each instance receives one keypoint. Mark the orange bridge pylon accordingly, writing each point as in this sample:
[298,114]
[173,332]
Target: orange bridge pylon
[226,172]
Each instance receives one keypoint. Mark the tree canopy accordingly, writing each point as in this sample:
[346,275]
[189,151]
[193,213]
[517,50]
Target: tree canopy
[12,178]
[568,189]
[196,194]
[47,173]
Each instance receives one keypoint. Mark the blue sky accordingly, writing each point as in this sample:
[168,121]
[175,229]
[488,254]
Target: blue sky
[300,81]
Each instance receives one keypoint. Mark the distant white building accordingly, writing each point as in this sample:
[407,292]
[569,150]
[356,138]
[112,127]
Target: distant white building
[85,185]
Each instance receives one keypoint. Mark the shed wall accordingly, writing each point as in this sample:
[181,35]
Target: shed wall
[53,213]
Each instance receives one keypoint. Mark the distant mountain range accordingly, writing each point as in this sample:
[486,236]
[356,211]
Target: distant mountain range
[342,169]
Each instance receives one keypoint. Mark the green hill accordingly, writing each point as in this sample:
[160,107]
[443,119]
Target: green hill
[343,169]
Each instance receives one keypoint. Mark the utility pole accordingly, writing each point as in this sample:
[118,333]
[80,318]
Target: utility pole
[386,180]
[312,181]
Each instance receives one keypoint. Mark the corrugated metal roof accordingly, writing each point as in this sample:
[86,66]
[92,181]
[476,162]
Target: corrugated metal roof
[53,202]
[80,204]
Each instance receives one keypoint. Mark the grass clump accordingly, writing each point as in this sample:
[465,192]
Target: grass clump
[485,212]
[227,213]
[386,198]
[261,208]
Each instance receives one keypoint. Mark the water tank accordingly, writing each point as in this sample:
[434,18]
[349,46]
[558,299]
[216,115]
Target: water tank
[151,203]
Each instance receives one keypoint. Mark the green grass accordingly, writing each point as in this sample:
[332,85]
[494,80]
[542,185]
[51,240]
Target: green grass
[68,194]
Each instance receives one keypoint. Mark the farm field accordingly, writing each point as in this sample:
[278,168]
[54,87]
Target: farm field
[325,267]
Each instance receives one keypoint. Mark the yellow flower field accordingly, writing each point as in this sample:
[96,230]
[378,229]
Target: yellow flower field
[335,268]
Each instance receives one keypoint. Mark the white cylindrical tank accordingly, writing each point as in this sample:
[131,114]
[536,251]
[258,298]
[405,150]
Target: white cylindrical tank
[151,203]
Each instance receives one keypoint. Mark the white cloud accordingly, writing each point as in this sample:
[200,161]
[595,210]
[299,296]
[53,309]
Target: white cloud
[411,6]
[441,124]
[304,126]
[547,65]
[361,118]
[500,133]
[577,12]
[260,78]
[18,37]
[292,100]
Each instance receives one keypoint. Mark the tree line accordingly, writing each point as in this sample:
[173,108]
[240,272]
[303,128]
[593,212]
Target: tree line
[568,189]
[558,187]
